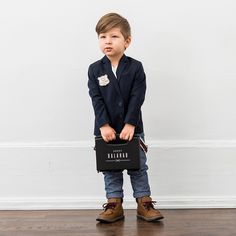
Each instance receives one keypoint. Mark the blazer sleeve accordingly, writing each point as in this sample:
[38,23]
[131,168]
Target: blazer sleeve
[100,112]
[137,97]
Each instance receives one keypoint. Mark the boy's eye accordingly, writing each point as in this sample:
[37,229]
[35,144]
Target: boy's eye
[114,36]
[102,37]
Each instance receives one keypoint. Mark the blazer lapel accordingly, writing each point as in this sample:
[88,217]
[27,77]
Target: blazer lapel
[110,74]
[121,66]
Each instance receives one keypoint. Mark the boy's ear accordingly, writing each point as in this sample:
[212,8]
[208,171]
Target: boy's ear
[127,42]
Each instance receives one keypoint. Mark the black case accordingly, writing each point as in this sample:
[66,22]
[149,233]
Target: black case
[117,154]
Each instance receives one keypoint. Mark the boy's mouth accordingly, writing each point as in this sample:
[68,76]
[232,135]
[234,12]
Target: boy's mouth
[108,48]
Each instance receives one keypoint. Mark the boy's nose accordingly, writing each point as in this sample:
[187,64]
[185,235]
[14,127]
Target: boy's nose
[108,40]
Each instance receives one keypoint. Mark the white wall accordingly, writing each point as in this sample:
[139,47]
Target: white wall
[46,122]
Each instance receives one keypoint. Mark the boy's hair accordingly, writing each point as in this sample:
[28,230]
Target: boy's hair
[113,20]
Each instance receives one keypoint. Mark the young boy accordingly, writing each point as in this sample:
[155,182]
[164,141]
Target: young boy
[117,86]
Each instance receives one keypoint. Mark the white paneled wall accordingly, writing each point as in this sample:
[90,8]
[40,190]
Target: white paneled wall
[46,120]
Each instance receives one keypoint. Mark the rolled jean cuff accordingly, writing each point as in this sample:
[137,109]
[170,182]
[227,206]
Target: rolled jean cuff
[114,196]
[143,194]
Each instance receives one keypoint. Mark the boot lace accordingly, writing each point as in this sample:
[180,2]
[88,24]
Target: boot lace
[149,205]
[109,205]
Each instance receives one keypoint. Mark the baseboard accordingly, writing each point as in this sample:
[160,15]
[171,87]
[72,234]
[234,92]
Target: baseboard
[197,202]
[129,203]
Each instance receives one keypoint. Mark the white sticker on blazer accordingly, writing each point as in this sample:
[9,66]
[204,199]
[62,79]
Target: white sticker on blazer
[103,80]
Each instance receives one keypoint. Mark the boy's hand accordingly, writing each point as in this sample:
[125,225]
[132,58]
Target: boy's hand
[127,132]
[108,133]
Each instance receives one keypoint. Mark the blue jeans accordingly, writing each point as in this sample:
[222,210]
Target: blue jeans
[139,180]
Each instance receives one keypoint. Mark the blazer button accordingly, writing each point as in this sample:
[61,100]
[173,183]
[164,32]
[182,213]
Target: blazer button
[120,104]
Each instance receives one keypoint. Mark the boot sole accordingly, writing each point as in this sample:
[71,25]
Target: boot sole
[110,221]
[150,219]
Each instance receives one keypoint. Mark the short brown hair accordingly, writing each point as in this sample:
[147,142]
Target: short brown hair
[113,20]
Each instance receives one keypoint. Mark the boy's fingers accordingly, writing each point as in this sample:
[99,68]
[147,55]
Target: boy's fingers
[109,137]
[131,137]
[106,139]
[113,137]
[124,136]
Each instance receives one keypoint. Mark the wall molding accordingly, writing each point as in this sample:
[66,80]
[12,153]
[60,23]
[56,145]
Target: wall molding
[165,202]
[151,143]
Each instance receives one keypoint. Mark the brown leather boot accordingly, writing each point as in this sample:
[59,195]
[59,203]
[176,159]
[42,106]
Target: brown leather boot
[113,211]
[146,210]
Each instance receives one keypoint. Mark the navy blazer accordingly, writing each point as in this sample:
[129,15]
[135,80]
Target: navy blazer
[117,100]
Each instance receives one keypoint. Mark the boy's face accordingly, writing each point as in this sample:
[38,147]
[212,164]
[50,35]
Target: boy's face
[112,43]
